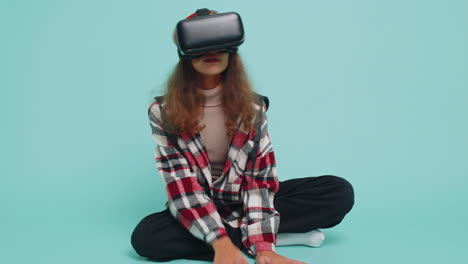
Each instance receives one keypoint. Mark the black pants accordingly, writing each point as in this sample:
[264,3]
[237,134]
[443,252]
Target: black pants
[304,204]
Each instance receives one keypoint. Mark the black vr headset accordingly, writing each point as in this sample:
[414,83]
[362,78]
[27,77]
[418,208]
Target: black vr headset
[204,32]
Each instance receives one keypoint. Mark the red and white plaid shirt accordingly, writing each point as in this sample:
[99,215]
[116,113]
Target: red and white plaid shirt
[236,195]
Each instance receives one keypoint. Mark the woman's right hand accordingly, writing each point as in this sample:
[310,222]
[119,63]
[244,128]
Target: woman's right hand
[227,253]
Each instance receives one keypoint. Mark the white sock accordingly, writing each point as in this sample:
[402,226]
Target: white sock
[312,238]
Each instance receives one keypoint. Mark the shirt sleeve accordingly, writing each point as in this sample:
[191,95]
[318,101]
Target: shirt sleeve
[187,200]
[261,220]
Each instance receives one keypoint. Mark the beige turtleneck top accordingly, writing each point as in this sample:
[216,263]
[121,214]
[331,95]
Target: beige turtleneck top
[214,134]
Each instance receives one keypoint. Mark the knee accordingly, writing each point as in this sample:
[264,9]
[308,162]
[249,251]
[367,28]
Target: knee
[140,238]
[344,194]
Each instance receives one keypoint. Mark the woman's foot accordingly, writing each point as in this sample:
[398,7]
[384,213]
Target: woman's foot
[312,238]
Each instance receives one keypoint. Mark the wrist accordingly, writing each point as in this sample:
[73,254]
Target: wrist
[263,246]
[265,253]
[221,242]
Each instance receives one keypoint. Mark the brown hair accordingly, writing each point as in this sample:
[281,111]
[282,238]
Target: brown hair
[183,101]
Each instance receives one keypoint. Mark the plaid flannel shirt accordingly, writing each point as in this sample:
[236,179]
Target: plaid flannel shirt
[238,193]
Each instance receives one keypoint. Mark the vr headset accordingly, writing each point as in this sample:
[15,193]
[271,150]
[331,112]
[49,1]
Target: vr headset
[203,33]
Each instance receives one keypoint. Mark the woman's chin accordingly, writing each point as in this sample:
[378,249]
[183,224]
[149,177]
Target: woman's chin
[211,73]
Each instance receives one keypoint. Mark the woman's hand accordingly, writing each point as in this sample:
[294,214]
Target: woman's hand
[271,257]
[227,253]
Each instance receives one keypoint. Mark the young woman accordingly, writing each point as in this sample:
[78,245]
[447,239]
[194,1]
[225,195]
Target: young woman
[221,201]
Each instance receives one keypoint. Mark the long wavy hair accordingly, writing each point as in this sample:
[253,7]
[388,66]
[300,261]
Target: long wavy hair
[183,101]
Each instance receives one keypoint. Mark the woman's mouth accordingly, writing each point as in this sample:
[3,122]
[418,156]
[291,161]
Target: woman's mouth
[211,60]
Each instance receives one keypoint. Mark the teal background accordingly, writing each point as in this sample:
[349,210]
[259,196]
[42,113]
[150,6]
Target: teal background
[372,91]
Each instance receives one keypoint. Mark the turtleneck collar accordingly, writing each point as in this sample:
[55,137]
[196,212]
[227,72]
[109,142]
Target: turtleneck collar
[212,96]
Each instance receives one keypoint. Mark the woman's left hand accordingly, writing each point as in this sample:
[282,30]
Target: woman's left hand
[271,257]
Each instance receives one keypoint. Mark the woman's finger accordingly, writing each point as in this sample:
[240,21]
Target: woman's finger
[262,260]
[298,262]
[292,261]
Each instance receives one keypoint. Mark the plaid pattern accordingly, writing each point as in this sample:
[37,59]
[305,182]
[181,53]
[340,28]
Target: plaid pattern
[238,193]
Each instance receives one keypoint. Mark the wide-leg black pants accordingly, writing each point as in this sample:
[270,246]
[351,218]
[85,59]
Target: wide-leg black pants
[304,204]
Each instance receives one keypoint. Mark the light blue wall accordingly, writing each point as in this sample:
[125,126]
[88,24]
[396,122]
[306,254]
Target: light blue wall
[372,91]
